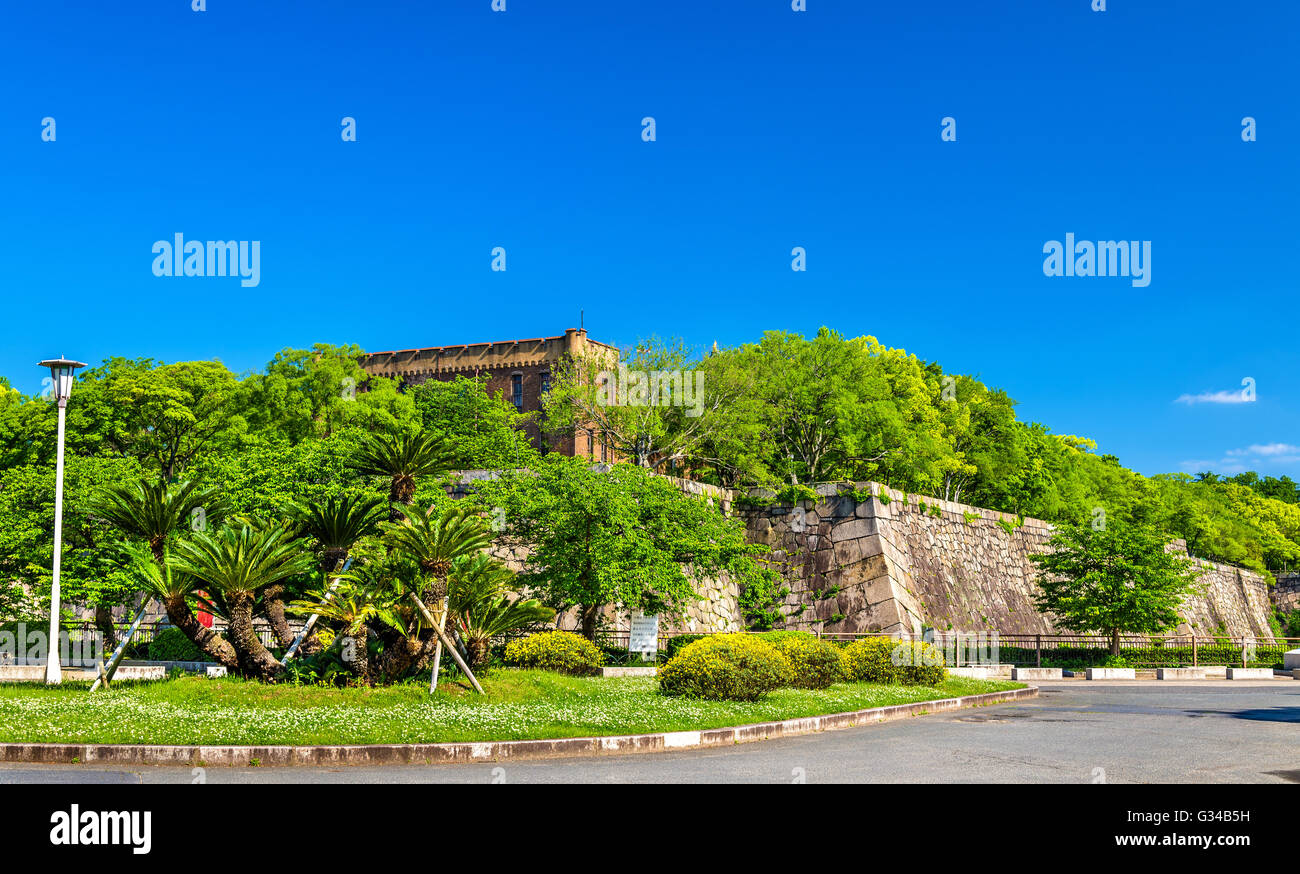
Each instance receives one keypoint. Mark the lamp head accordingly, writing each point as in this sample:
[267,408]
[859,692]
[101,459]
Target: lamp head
[61,370]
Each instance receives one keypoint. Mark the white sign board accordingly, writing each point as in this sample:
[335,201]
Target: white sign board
[645,634]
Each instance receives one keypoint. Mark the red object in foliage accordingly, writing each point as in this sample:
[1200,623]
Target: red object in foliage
[205,618]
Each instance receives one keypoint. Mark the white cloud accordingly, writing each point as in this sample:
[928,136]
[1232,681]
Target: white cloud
[1252,457]
[1267,449]
[1232,396]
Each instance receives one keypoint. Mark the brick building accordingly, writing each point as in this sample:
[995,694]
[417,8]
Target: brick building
[520,369]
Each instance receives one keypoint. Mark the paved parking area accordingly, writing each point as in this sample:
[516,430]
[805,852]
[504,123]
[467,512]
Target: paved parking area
[1074,732]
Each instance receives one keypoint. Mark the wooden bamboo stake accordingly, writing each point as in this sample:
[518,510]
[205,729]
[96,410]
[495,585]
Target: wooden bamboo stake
[442,637]
[437,650]
[106,674]
[306,628]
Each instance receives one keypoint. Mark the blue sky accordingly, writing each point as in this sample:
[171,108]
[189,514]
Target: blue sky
[775,129]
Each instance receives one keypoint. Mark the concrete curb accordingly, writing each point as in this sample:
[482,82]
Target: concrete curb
[489,751]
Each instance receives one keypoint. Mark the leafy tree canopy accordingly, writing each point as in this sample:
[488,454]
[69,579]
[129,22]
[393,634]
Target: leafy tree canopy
[1112,580]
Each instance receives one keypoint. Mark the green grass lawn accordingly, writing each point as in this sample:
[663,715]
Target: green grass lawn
[520,704]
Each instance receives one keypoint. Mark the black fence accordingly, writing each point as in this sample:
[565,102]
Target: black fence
[1038,650]
[1141,651]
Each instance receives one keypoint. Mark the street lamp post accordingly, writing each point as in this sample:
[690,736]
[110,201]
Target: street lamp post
[61,370]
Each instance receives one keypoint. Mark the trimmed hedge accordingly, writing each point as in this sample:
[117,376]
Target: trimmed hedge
[776,638]
[560,651]
[814,663]
[726,667]
[1068,655]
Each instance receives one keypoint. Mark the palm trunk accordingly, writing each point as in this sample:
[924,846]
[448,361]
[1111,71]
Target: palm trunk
[273,607]
[356,655]
[254,658]
[331,559]
[404,655]
[417,653]
[401,491]
[478,652]
[213,645]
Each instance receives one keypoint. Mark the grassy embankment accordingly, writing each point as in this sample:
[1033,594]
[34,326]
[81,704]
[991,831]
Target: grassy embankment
[520,705]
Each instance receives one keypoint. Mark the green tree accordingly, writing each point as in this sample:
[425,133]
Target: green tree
[1112,580]
[830,408]
[623,538]
[656,408]
[164,415]
[91,573]
[317,392]
[485,430]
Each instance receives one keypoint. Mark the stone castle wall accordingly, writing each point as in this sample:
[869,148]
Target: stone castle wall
[881,560]
[1287,594]
[865,558]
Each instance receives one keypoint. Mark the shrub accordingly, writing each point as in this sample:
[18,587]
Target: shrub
[883,660]
[870,660]
[679,643]
[776,638]
[560,651]
[919,664]
[814,663]
[171,645]
[726,667]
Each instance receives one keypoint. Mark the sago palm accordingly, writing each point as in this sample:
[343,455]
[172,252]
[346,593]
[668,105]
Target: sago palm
[434,540]
[475,577]
[152,510]
[402,457]
[352,605]
[173,588]
[483,604]
[336,524]
[237,562]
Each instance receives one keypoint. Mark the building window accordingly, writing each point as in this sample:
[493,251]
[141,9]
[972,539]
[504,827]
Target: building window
[604,449]
[517,391]
[591,445]
[546,382]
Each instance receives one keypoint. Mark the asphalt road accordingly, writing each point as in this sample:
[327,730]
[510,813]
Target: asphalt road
[1074,732]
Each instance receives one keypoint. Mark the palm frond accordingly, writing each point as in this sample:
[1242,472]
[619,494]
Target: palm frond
[436,539]
[403,454]
[154,510]
[245,558]
[338,521]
